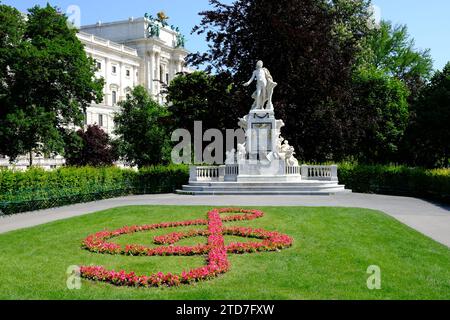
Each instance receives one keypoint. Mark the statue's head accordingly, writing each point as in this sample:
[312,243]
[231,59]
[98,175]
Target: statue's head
[259,64]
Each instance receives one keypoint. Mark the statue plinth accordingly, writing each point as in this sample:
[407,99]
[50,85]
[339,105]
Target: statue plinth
[261,135]
[263,155]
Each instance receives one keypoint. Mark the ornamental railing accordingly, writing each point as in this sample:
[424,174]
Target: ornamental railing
[230,172]
[292,170]
[327,173]
[204,173]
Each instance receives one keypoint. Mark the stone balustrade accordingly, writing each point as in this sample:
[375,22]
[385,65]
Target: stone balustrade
[328,173]
[110,44]
[230,172]
[292,170]
[23,162]
[210,173]
[232,169]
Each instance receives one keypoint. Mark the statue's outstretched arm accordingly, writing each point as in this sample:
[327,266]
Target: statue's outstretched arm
[251,80]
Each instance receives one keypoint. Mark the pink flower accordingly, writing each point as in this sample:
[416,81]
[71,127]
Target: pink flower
[215,249]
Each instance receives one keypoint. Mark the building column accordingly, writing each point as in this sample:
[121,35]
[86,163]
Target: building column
[107,75]
[150,65]
[158,73]
[180,66]
[120,90]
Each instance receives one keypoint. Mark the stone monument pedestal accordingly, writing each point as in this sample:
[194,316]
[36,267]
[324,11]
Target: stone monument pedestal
[265,163]
[260,170]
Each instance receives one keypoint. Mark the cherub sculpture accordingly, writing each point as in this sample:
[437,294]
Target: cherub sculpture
[241,152]
[231,157]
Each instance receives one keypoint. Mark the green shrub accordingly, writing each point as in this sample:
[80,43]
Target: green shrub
[397,180]
[161,179]
[36,188]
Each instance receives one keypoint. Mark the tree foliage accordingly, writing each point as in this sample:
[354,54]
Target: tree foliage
[12,27]
[391,50]
[47,81]
[199,96]
[142,130]
[384,113]
[90,147]
[428,141]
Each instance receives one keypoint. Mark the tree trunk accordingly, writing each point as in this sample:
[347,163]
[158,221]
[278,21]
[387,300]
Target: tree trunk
[31,158]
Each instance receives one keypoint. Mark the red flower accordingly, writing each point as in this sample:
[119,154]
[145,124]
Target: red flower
[217,252]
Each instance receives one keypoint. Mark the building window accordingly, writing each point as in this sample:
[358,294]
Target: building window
[128,73]
[114,98]
[167,78]
[100,120]
[114,69]
[98,64]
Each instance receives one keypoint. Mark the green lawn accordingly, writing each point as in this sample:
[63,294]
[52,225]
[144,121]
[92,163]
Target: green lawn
[333,248]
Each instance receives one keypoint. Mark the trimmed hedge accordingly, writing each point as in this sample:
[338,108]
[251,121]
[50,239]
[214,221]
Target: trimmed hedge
[161,179]
[37,189]
[397,180]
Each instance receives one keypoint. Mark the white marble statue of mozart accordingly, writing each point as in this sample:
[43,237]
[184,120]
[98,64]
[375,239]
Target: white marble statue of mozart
[264,87]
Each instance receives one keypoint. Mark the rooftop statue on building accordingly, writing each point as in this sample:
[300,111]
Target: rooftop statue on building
[155,25]
[181,41]
[162,17]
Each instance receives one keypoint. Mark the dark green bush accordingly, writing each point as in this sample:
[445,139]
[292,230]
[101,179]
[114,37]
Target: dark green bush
[397,180]
[161,179]
[37,189]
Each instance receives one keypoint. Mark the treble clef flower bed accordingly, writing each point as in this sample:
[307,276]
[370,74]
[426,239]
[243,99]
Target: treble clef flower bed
[215,250]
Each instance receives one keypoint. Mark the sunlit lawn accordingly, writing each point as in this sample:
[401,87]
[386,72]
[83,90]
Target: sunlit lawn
[332,250]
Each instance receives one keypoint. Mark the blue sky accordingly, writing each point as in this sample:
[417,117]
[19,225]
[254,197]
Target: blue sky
[427,20]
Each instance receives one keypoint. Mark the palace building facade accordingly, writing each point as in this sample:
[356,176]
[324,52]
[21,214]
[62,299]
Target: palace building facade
[142,51]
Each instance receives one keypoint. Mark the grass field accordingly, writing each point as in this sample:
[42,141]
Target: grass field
[333,247]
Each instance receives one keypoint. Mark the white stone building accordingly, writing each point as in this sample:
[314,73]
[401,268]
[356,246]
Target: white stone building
[127,53]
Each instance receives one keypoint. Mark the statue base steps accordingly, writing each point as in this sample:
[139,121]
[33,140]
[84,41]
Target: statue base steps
[309,187]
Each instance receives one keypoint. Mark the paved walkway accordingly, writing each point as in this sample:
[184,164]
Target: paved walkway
[428,218]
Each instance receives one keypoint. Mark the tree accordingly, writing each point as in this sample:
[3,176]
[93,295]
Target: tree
[50,81]
[391,50]
[12,27]
[142,130]
[309,45]
[428,140]
[199,96]
[90,147]
[384,114]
